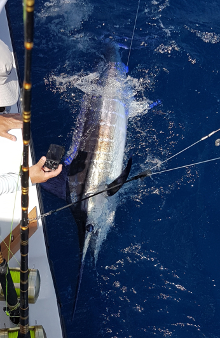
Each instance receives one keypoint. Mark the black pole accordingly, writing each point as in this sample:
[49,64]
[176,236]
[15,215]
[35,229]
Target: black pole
[24,229]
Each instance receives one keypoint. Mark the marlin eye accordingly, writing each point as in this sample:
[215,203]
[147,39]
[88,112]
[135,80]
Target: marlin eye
[89,227]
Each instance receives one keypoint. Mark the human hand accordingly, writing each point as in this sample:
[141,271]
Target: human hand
[37,173]
[8,122]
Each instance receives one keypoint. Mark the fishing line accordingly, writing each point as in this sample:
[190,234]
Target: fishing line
[12,255]
[133,32]
[143,174]
[185,166]
[193,144]
[9,245]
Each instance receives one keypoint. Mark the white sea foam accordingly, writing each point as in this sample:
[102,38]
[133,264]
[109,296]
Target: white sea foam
[63,19]
[69,13]
[208,37]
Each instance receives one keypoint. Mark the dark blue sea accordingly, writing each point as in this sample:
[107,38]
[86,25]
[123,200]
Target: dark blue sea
[158,271]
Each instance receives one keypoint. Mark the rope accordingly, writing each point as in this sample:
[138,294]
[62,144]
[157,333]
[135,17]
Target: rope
[133,32]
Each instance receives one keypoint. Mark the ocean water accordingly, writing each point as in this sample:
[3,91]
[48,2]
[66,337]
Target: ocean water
[157,274]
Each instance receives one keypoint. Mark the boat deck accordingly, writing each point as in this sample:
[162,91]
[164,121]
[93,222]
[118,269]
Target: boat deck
[45,311]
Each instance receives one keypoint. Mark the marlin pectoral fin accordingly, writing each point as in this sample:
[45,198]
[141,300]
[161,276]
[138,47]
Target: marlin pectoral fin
[78,163]
[120,180]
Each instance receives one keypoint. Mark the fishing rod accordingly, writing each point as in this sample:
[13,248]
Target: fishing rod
[146,173]
[28,16]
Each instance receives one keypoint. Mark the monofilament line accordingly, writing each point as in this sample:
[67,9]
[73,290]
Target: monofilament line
[141,175]
[185,166]
[117,185]
[193,144]
[133,32]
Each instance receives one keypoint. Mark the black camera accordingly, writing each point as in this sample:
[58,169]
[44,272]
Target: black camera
[54,156]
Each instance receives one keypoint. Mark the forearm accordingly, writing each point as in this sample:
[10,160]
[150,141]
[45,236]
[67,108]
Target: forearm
[9,183]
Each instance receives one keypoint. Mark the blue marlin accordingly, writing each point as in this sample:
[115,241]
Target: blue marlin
[95,158]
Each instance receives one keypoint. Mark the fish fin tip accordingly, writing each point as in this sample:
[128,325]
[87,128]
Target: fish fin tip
[120,180]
